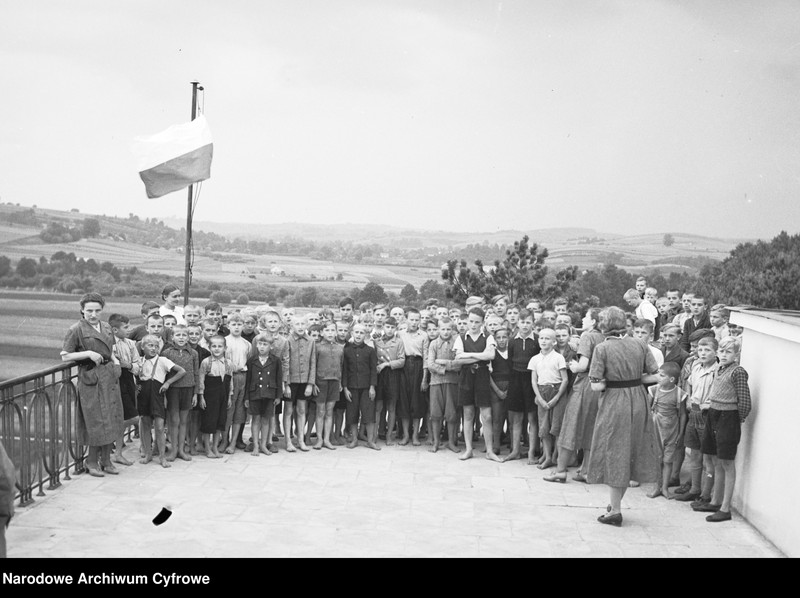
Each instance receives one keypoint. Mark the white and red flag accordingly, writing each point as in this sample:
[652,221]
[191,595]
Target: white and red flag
[175,158]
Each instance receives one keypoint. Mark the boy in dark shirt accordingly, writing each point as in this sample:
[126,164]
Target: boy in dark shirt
[359,378]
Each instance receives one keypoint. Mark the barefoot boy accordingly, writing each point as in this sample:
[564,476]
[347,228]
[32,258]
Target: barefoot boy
[359,378]
[549,381]
[443,388]
[473,352]
[669,416]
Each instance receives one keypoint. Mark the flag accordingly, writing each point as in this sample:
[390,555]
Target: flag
[175,158]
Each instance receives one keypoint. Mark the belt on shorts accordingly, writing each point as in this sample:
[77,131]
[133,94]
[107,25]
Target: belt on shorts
[551,385]
[623,383]
[695,407]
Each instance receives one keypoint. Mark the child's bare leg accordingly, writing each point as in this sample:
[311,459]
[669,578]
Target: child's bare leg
[288,412]
[392,422]
[301,424]
[728,469]
[487,425]
[311,420]
[452,435]
[533,436]
[353,436]
[709,468]
[405,423]
[437,424]
[234,435]
[255,432]
[498,417]
[320,425]
[161,442]
[469,415]
[145,423]
[516,436]
[415,432]
[327,425]
[338,423]
[547,440]
[183,418]
[173,427]
[677,465]
[696,470]
[118,457]
[264,437]
[372,434]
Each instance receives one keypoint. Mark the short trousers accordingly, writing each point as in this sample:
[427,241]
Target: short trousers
[127,391]
[473,387]
[238,381]
[521,397]
[722,434]
[443,400]
[502,385]
[264,407]
[360,404]
[298,393]
[412,403]
[391,384]
[182,397]
[546,416]
[695,427]
[328,391]
[150,402]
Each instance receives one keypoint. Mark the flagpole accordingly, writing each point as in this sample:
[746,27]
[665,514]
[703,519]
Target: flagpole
[187,271]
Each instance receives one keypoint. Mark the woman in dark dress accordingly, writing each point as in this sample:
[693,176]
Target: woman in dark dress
[624,439]
[100,423]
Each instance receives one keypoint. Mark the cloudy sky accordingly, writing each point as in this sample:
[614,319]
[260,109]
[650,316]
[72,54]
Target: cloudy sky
[443,114]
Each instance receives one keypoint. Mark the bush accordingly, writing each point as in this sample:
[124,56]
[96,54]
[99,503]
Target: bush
[221,297]
[119,292]
[242,299]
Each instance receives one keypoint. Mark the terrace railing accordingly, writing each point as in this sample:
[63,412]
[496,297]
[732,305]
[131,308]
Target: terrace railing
[38,428]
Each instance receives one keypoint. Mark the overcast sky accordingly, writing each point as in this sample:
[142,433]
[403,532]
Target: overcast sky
[636,116]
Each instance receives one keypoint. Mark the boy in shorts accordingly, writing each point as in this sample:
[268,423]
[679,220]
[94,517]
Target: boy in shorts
[730,404]
[264,387]
[302,376]
[181,397]
[130,363]
[549,382]
[473,352]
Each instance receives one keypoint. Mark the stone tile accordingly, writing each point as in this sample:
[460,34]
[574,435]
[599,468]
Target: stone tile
[428,544]
[477,527]
[500,483]
[513,547]
[636,550]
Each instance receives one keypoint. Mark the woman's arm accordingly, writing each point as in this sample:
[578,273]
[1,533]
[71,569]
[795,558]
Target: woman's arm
[580,366]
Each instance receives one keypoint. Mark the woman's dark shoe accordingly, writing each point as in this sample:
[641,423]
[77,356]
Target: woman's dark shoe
[561,478]
[609,519]
[688,497]
[706,508]
[719,516]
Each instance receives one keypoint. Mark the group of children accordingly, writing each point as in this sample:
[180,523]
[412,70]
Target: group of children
[401,375]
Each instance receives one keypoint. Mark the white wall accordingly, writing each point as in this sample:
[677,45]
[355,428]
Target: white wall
[767,491]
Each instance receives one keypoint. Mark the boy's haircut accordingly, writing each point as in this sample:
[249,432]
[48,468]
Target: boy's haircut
[193,307]
[445,320]
[671,328]
[118,320]
[346,301]
[217,336]
[211,306]
[195,325]
[150,338]
[329,323]
[170,316]
[641,279]
[631,294]
[644,323]
[235,317]
[671,370]
[366,306]
[722,310]
[478,312]
[463,315]
[247,312]
[206,321]
[560,301]
[731,342]
[524,314]
[513,306]
[432,321]
[147,306]
[152,317]
[653,289]
[316,328]
[261,337]
[708,341]
[541,324]
[326,313]
[674,290]
[412,310]
[700,334]
[390,321]
[700,297]
[380,306]
[662,301]
[561,327]
[500,297]
[179,327]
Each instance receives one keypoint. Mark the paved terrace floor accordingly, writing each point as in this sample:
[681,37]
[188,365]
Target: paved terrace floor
[401,501]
